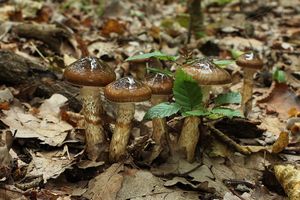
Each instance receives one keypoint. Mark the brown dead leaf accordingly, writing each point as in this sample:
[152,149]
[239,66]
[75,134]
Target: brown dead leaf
[113,26]
[4,106]
[46,126]
[281,99]
[106,185]
[281,142]
[49,164]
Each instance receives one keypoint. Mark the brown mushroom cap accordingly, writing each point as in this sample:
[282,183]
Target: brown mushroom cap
[89,71]
[160,84]
[127,89]
[249,60]
[206,72]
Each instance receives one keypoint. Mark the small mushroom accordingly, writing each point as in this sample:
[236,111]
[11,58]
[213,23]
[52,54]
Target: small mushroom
[91,73]
[250,64]
[206,74]
[124,92]
[161,86]
[138,67]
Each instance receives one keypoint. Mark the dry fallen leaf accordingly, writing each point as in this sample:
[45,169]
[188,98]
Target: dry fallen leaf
[49,164]
[47,126]
[281,142]
[106,185]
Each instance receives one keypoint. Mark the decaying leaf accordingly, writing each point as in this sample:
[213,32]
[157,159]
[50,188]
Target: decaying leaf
[281,99]
[281,142]
[289,178]
[106,185]
[49,164]
[46,126]
[142,185]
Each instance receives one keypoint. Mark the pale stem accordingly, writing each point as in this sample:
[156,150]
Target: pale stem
[160,134]
[246,106]
[120,137]
[94,133]
[189,137]
[205,89]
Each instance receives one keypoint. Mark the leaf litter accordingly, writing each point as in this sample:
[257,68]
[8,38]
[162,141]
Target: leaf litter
[225,173]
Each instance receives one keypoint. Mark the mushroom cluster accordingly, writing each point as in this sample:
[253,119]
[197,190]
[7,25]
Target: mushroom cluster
[91,74]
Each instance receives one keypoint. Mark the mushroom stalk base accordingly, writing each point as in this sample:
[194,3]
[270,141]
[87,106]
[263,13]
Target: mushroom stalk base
[246,106]
[189,137]
[122,130]
[94,133]
[160,134]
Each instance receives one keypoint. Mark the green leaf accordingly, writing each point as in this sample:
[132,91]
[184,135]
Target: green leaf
[279,75]
[223,63]
[198,112]
[162,110]
[186,91]
[163,71]
[230,97]
[155,54]
[236,53]
[220,112]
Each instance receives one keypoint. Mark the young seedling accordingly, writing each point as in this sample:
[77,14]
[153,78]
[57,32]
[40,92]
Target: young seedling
[250,64]
[91,74]
[188,101]
[124,92]
[161,86]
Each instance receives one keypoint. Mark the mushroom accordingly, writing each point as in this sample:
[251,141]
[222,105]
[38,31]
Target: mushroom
[124,92]
[250,64]
[139,67]
[161,86]
[91,73]
[206,74]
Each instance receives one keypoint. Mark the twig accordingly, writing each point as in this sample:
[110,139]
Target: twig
[228,140]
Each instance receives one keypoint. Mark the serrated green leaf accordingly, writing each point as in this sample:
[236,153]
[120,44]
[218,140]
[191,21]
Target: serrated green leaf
[224,112]
[198,112]
[227,98]
[236,53]
[279,75]
[162,71]
[162,110]
[186,91]
[223,63]
[156,54]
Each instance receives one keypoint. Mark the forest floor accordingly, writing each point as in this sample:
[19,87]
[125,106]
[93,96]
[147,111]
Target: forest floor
[42,112]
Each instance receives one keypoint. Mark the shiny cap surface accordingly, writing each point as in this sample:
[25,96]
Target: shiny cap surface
[206,72]
[89,71]
[159,83]
[249,60]
[127,89]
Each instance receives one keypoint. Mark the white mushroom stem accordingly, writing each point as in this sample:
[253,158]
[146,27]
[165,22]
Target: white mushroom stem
[189,137]
[247,91]
[94,133]
[120,137]
[160,134]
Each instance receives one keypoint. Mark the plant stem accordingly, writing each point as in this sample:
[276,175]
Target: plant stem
[196,18]
[246,106]
[189,137]
[94,133]
[122,130]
